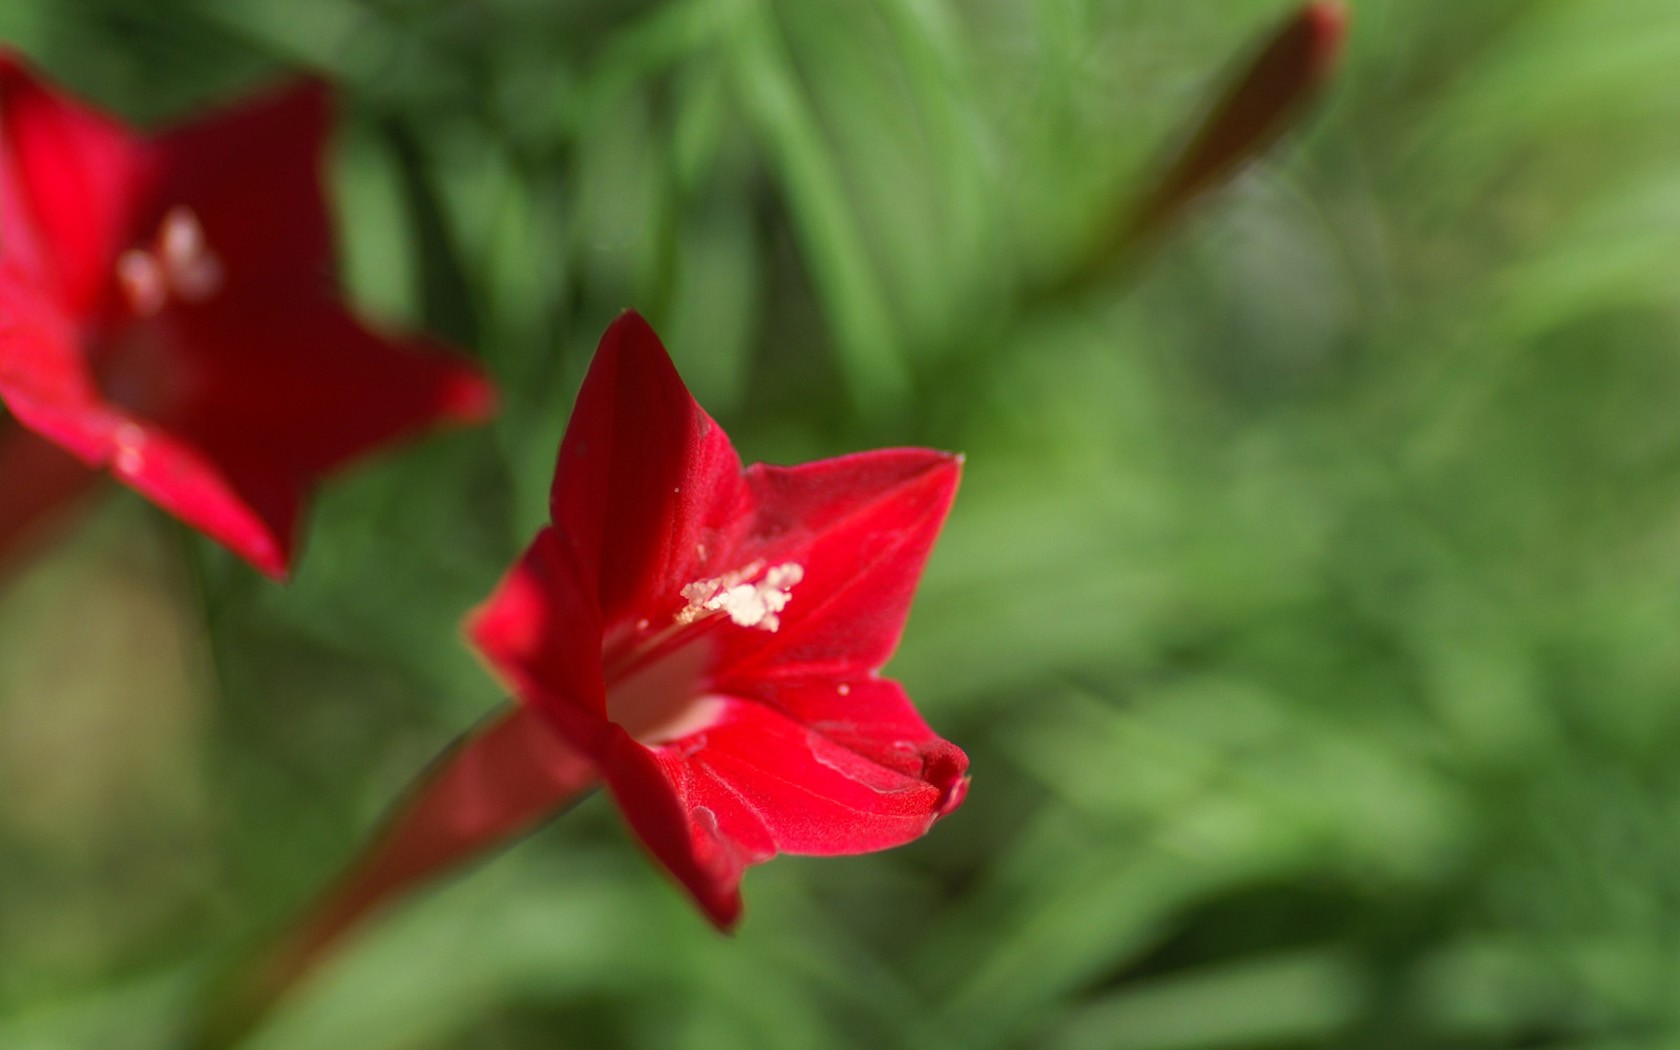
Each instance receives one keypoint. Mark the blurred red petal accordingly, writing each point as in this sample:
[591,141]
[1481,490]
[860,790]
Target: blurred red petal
[78,173]
[44,376]
[312,390]
[268,149]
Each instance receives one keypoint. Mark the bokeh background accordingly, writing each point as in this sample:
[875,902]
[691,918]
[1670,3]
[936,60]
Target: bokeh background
[1311,609]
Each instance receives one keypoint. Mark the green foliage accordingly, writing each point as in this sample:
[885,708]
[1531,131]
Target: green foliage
[1309,611]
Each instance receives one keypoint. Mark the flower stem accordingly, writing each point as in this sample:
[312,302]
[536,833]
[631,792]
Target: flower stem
[497,783]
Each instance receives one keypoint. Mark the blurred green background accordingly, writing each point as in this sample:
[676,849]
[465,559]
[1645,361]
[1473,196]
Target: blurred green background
[1310,609]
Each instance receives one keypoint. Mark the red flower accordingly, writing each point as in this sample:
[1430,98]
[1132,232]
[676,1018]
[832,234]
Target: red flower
[709,637]
[166,312]
[704,639]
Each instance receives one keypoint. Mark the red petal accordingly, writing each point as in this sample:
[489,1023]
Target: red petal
[77,173]
[251,510]
[45,382]
[761,782]
[873,718]
[646,479]
[304,392]
[861,527]
[252,174]
[705,849]
[812,794]
[44,378]
[274,406]
[541,632]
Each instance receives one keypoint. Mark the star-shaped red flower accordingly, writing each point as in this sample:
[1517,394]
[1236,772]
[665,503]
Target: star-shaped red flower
[167,312]
[709,637]
[704,639]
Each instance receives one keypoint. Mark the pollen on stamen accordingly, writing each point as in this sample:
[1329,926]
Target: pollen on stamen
[142,281]
[192,268]
[746,604]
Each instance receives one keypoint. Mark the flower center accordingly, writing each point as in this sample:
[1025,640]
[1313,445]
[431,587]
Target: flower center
[656,677]
[178,265]
[747,604]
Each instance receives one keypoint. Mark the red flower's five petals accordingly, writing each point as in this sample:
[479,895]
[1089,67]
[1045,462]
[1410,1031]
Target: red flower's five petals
[75,172]
[860,528]
[707,849]
[648,488]
[164,310]
[251,175]
[311,389]
[541,632]
[732,707]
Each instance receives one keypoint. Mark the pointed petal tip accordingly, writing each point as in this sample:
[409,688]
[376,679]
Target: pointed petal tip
[266,553]
[947,467]
[632,330]
[945,766]
[723,910]
[278,571]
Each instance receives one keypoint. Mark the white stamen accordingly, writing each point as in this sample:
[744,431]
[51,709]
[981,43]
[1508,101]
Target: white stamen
[142,282]
[179,263]
[194,271]
[747,604]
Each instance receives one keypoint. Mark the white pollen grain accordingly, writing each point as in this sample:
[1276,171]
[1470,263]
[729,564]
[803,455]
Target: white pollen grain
[746,604]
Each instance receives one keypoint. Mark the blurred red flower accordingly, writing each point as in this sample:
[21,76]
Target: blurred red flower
[167,313]
[708,637]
